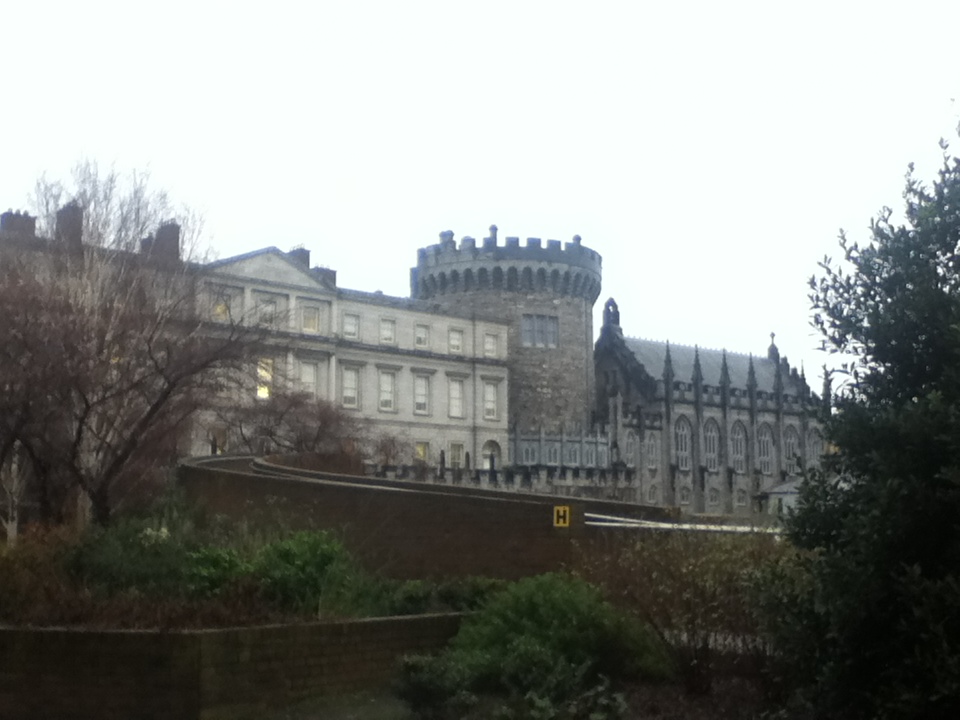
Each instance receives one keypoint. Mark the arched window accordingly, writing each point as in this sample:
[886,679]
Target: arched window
[653,494]
[711,445]
[741,497]
[765,449]
[714,496]
[791,450]
[738,447]
[814,448]
[652,451]
[681,434]
[630,450]
[685,495]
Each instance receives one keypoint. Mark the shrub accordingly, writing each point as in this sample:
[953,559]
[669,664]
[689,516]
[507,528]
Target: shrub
[544,647]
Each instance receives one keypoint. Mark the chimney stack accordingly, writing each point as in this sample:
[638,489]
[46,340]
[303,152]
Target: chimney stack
[301,256]
[69,230]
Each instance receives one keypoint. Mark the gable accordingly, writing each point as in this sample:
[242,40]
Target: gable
[270,266]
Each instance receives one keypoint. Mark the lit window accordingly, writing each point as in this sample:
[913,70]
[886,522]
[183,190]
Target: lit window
[711,446]
[490,343]
[685,495]
[388,332]
[713,496]
[388,390]
[421,395]
[456,455]
[421,452]
[308,378]
[681,436]
[539,331]
[489,401]
[456,398]
[221,306]
[264,377]
[350,387]
[421,336]
[351,326]
[653,494]
[652,451]
[765,450]
[455,341]
[791,450]
[310,319]
[738,447]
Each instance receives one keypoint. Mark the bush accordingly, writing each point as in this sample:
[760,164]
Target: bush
[544,647]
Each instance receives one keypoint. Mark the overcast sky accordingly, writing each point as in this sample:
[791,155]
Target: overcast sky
[709,151]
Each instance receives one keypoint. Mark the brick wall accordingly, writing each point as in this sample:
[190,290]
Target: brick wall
[208,674]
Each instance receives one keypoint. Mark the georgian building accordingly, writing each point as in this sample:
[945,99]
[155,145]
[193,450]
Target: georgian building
[437,381]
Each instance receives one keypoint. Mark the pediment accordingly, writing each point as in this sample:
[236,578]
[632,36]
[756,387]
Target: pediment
[271,266]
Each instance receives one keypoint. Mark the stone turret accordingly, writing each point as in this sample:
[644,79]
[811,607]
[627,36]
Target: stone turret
[546,292]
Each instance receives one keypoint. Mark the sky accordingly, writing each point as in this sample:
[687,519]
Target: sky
[709,151]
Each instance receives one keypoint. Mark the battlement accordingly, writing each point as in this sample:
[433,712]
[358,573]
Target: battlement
[563,268]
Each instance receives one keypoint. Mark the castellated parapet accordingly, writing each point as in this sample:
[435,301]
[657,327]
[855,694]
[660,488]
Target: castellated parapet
[545,292]
[568,269]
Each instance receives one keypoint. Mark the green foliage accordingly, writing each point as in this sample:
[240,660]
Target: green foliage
[695,589]
[868,624]
[545,647]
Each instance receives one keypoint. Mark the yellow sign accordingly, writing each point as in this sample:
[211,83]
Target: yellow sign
[561,516]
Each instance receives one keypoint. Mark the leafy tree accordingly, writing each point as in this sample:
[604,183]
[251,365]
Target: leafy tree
[880,613]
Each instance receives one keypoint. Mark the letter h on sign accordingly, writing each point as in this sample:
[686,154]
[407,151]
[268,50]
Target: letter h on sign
[561,516]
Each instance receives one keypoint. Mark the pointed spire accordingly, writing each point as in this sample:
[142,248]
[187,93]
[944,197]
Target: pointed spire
[697,378]
[773,352]
[668,364]
[827,398]
[751,375]
[724,371]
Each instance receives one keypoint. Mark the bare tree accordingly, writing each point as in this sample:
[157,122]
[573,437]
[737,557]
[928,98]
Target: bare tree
[111,352]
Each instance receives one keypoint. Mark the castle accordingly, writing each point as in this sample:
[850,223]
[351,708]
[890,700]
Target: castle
[490,371]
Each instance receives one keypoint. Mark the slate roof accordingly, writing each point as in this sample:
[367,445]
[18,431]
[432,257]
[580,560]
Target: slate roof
[652,353]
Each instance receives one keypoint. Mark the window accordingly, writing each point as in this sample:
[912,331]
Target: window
[553,454]
[421,452]
[539,331]
[490,401]
[310,319]
[225,304]
[738,447]
[629,452]
[421,395]
[267,312]
[388,332]
[573,455]
[814,448]
[308,378]
[681,434]
[590,455]
[653,494]
[490,345]
[456,455]
[264,378]
[350,387]
[685,495]
[351,326]
[421,336]
[765,450]
[741,497]
[456,398]
[529,454]
[388,391]
[455,341]
[791,450]
[711,446]
[652,451]
[713,496]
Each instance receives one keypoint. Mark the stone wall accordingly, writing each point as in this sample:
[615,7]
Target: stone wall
[211,674]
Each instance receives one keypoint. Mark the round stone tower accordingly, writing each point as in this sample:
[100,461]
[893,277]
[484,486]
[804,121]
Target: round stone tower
[546,294]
